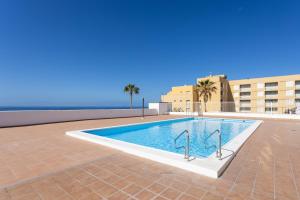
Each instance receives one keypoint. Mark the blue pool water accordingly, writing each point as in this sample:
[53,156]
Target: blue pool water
[160,135]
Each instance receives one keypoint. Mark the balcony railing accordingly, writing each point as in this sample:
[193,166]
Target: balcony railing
[245,89]
[270,112]
[271,104]
[297,95]
[245,111]
[245,96]
[245,105]
[271,88]
[271,96]
[297,86]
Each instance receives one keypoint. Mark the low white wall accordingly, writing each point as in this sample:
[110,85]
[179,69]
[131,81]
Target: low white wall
[162,108]
[18,118]
[253,115]
[235,114]
[185,113]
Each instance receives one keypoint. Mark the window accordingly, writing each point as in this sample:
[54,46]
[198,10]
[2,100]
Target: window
[260,110]
[289,92]
[260,94]
[260,102]
[271,92]
[245,94]
[245,86]
[273,84]
[245,101]
[289,102]
[289,84]
[245,109]
[271,100]
[188,104]
[270,109]
[260,85]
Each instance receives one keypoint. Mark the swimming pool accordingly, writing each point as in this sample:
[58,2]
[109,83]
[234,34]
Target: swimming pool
[160,135]
[155,140]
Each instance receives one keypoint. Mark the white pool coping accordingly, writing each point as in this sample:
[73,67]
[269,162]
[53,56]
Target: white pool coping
[208,166]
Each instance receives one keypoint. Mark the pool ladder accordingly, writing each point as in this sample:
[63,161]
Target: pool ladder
[187,144]
[219,148]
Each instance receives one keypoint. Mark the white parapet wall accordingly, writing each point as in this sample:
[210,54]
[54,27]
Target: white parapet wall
[253,115]
[162,108]
[185,113]
[19,118]
[246,115]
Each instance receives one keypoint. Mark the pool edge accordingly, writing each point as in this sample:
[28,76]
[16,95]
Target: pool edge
[210,166]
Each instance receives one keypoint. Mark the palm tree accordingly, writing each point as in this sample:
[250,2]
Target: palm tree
[131,89]
[206,88]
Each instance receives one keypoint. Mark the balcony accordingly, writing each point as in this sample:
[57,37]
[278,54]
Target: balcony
[297,84]
[245,105]
[271,110]
[271,96]
[245,109]
[245,97]
[245,89]
[271,88]
[297,95]
[270,104]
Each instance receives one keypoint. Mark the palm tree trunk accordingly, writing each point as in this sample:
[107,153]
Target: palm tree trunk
[205,107]
[130,101]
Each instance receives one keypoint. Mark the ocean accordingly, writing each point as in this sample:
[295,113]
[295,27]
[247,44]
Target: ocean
[17,108]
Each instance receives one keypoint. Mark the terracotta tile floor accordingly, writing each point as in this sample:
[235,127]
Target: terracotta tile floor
[40,162]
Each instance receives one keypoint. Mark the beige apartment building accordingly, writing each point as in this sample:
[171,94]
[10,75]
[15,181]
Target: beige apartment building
[278,94]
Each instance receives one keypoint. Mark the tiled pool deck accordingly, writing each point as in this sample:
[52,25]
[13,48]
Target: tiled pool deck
[41,162]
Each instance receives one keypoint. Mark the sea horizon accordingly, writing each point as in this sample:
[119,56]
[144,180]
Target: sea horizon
[28,108]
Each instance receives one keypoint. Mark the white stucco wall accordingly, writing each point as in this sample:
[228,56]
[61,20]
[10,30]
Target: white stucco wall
[253,115]
[162,108]
[18,118]
[236,114]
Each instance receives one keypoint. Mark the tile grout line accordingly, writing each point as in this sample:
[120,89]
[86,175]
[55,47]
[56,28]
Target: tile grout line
[24,181]
[293,175]
[274,178]
[234,182]
[256,174]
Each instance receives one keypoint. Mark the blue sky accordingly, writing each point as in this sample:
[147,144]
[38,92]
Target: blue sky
[60,52]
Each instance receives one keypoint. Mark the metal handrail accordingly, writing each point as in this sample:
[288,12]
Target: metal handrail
[211,134]
[219,148]
[187,144]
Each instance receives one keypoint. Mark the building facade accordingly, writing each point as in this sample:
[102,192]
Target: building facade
[182,98]
[278,94]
